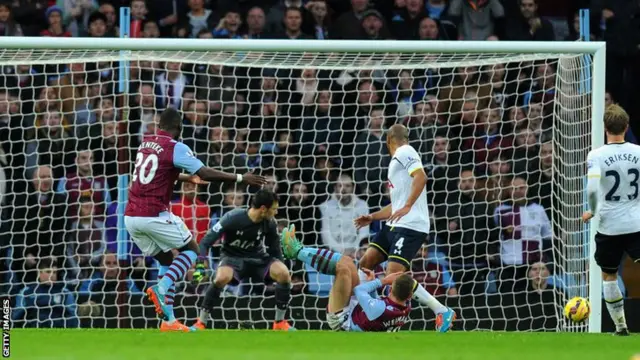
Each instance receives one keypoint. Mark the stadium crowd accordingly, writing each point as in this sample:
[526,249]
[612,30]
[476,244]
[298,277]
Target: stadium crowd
[318,135]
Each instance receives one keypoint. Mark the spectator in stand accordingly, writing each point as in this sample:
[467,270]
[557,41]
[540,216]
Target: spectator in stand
[422,128]
[319,21]
[109,12]
[229,25]
[405,23]
[105,280]
[142,113]
[233,199]
[98,25]
[256,23]
[76,14]
[47,303]
[138,15]
[433,274]
[8,26]
[150,29]
[633,126]
[337,230]
[468,233]
[303,213]
[488,138]
[48,143]
[30,15]
[348,25]
[194,212]
[56,28]
[278,12]
[199,18]
[373,26]
[525,234]
[171,85]
[373,158]
[83,183]
[428,30]
[443,165]
[105,151]
[409,90]
[249,157]
[316,126]
[476,19]
[85,241]
[529,25]
[541,176]
[39,224]
[195,132]
[292,25]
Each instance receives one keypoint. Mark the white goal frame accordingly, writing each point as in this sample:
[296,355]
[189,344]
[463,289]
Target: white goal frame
[595,49]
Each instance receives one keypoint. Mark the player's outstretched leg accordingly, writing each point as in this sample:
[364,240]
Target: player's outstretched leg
[162,294]
[280,274]
[615,302]
[323,260]
[224,275]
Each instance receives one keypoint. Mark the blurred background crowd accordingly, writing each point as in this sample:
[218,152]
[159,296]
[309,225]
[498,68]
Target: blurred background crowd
[484,132]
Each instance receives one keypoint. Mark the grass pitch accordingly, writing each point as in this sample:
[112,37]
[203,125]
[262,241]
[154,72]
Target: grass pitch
[315,345]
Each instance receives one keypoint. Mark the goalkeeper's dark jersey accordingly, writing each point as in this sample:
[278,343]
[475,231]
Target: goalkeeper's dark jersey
[242,237]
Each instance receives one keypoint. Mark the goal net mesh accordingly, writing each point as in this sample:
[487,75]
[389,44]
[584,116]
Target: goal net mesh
[503,139]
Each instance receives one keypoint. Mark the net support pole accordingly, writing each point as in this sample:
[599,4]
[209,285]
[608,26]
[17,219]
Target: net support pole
[597,140]
[123,174]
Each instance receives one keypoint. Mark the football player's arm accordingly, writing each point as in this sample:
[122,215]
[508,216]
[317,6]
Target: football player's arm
[593,183]
[184,158]
[373,308]
[213,235]
[382,214]
[413,164]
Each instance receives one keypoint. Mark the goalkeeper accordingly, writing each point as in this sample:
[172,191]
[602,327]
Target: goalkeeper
[246,234]
[351,304]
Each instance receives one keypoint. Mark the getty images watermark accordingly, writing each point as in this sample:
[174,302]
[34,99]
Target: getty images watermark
[6,327]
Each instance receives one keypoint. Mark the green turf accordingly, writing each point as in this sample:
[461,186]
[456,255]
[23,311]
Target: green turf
[315,345]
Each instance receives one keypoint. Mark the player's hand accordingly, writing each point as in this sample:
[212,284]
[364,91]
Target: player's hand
[370,274]
[399,214]
[586,216]
[388,280]
[195,179]
[362,221]
[199,272]
[252,179]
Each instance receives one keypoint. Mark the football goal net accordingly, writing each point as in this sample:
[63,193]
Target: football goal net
[503,130]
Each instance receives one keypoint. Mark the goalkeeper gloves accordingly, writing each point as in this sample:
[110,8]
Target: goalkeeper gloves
[200,271]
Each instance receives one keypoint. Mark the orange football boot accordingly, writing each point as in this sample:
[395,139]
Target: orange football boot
[175,326]
[283,326]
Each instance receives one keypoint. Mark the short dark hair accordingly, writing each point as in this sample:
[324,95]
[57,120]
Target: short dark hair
[262,198]
[292,8]
[170,119]
[402,287]
[616,119]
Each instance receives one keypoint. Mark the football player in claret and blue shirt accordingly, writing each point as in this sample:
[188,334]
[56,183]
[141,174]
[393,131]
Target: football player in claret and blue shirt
[152,226]
[352,307]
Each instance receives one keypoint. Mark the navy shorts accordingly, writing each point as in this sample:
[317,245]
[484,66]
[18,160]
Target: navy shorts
[256,269]
[399,244]
[610,250]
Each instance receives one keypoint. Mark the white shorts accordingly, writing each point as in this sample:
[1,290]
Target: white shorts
[157,234]
[341,320]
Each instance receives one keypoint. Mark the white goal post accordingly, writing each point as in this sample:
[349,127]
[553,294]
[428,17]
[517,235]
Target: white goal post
[577,110]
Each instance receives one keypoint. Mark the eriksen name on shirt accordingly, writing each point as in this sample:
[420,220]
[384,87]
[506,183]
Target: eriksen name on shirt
[621,157]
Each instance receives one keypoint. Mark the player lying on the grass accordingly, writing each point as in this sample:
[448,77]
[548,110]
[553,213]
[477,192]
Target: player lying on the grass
[614,170]
[407,220]
[352,307]
[159,162]
[250,250]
